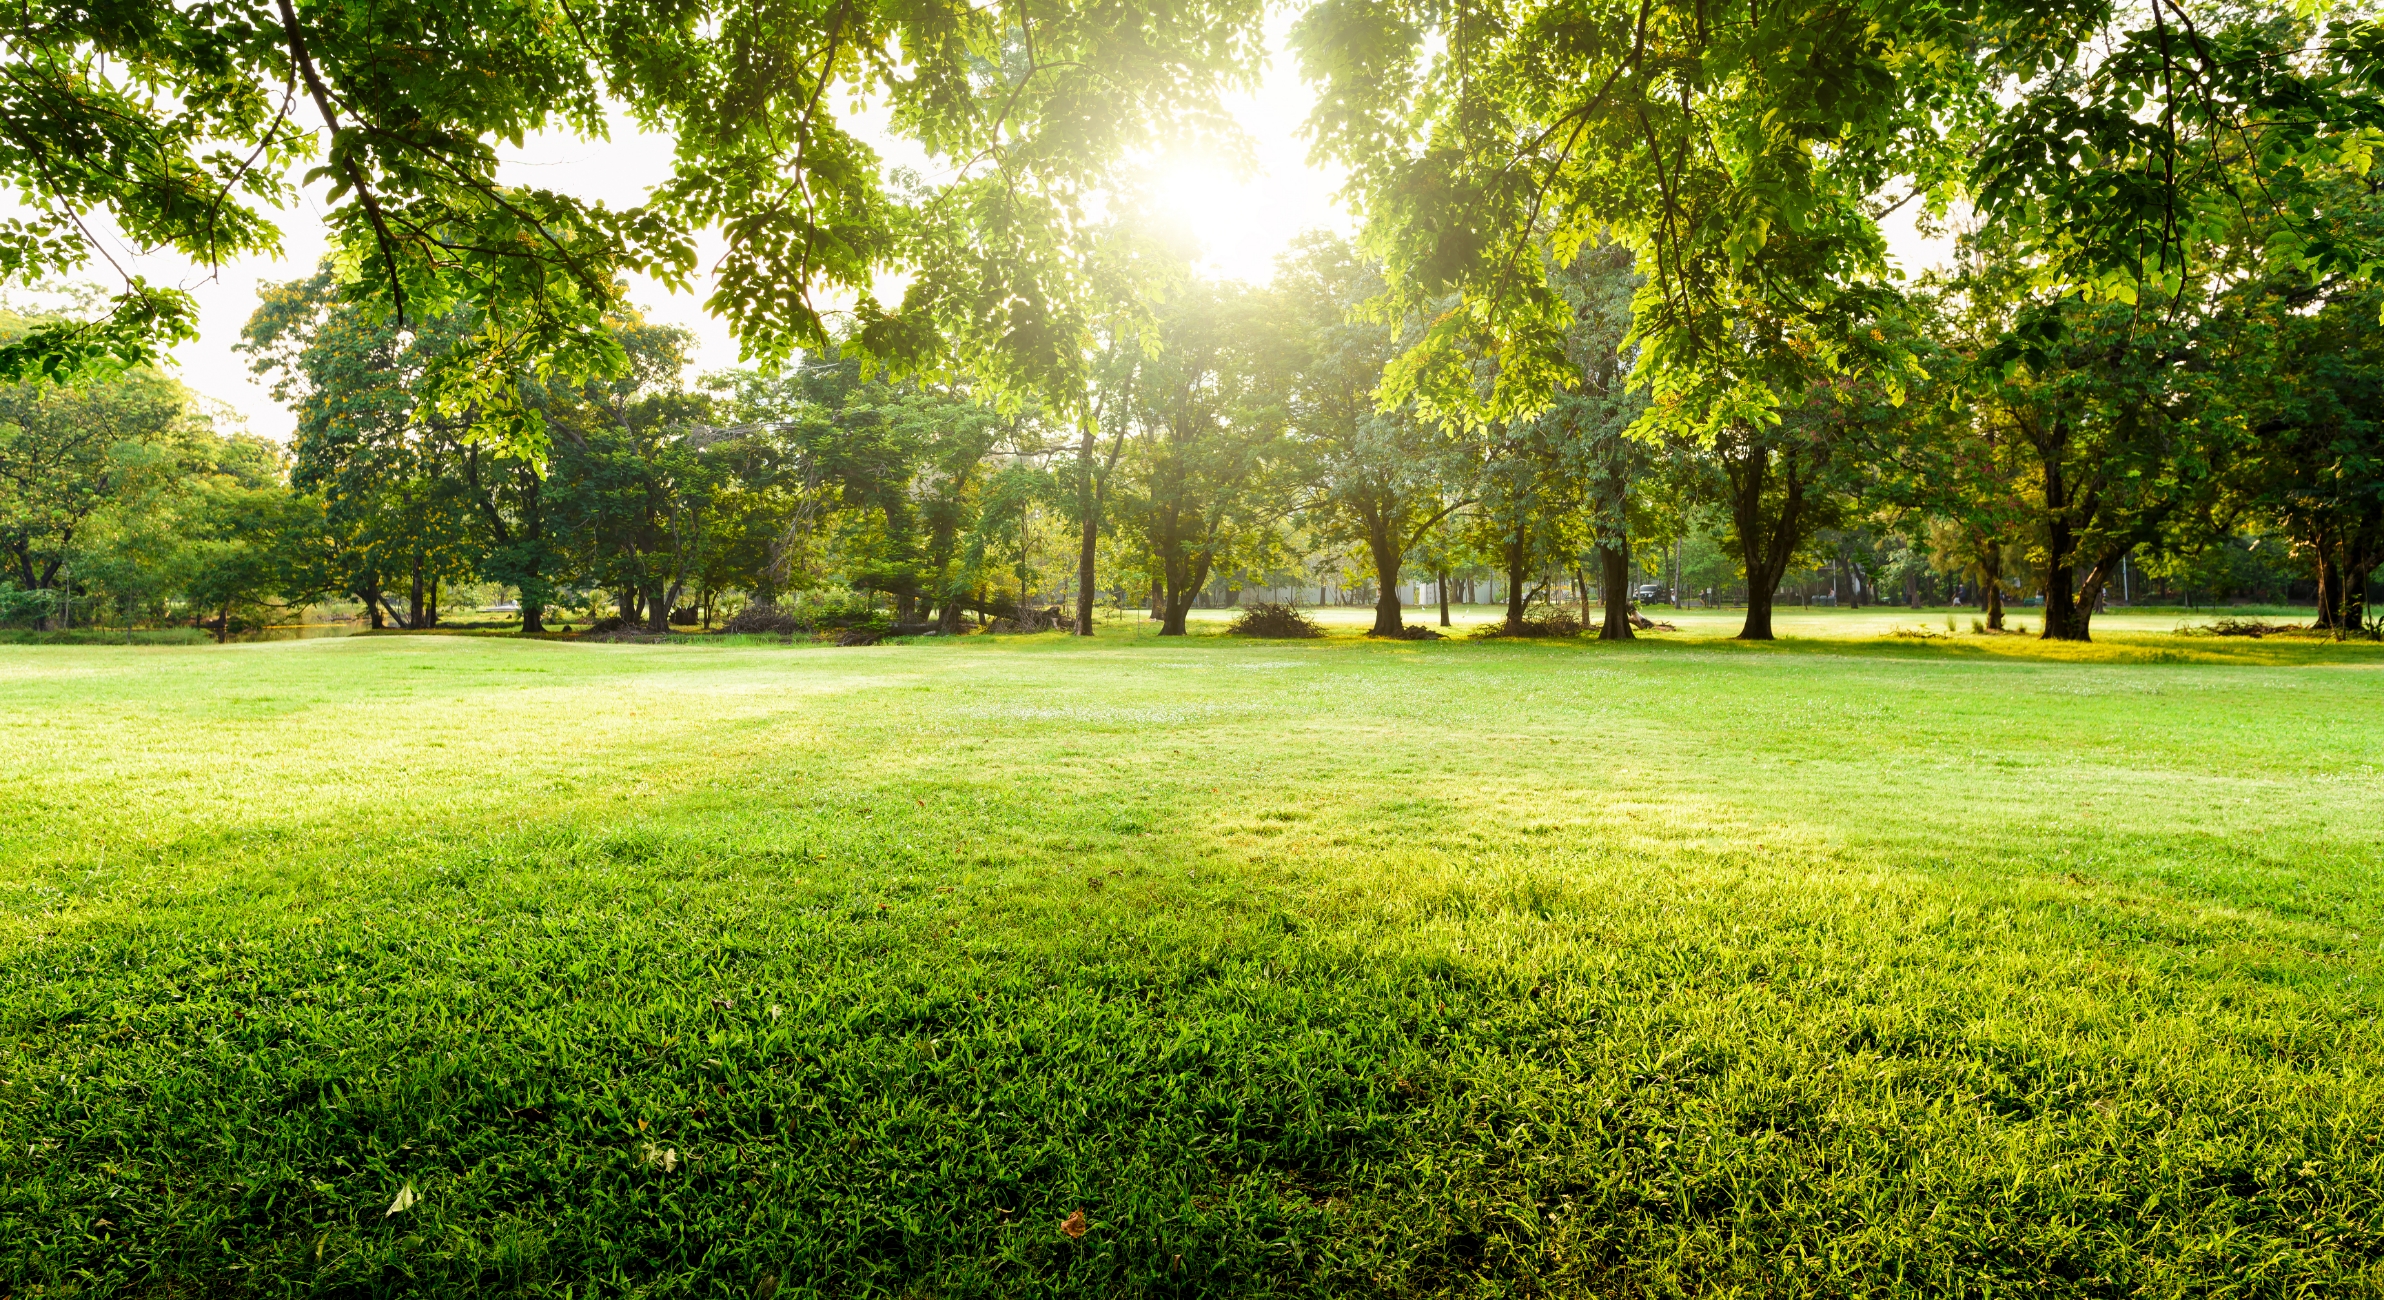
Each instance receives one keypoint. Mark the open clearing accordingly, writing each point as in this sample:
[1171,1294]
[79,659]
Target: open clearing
[1858,967]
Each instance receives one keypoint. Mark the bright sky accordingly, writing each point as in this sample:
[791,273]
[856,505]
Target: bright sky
[1244,221]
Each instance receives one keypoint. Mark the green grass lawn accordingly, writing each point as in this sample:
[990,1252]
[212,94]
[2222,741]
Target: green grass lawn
[1851,965]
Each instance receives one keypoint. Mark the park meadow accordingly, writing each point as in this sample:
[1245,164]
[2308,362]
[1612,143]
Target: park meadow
[1850,964]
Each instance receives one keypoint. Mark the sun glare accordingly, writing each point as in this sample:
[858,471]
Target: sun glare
[1240,222]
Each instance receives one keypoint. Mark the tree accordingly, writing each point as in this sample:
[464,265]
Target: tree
[1110,405]
[633,489]
[1746,152]
[69,451]
[182,126]
[1526,505]
[413,496]
[2104,426]
[249,546]
[1381,477]
[2314,460]
[132,554]
[1596,411]
[1210,460]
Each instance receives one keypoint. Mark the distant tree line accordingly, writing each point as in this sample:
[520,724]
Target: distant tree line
[1235,438]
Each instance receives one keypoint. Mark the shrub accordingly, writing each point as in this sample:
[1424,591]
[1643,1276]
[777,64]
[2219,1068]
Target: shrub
[19,607]
[850,610]
[812,617]
[2250,627]
[761,620]
[1274,619]
[107,636]
[1545,622]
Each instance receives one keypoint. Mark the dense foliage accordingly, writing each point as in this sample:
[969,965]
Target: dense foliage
[1621,295]
[2033,448]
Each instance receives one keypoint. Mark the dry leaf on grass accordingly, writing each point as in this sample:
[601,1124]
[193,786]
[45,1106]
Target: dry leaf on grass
[405,1201]
[1074,1224]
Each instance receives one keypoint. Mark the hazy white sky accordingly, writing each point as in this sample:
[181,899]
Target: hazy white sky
[1242,220]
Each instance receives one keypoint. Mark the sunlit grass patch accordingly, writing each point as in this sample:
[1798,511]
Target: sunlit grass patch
[1839,966]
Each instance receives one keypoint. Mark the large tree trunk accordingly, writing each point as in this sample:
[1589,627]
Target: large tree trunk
[1764,546]
[2066,616]
[414,599]
[1757,624]
[370,594]
[1614,584]
[657,609]
[2064,620]
[1383,545]
[1440,585]
[1184,587]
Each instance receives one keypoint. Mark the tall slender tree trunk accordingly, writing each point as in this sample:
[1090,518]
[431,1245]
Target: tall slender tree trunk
[1518,558]
[2330,595]
[1615,585]
[1089,537]
[414,599]
[1382,543]
[1440,585]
